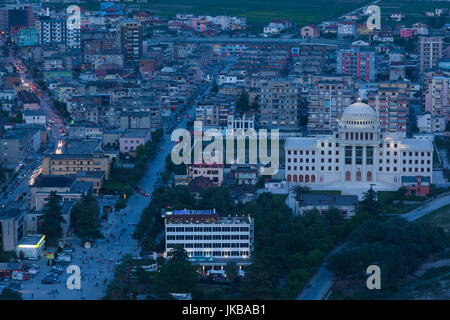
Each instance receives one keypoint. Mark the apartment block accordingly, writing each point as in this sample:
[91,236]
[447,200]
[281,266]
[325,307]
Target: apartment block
[327,98]
[278,103]
[430,51]
[391,100]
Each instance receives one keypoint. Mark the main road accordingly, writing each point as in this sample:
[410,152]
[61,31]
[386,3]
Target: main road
[109,251]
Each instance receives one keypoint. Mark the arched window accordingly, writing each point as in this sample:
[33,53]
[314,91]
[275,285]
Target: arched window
[313,178]
[307,178]
[289,178]
[295,178]
[369,175]
[347,176]
[300,178]
[358,176]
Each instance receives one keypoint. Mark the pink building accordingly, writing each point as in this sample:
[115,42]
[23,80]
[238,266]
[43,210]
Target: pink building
[407,32]
[133,138]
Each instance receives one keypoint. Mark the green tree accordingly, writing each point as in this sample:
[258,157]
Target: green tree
[299,191]
[8,294]
[176,277]
[231,270]
[52,218]
[85,219]
[243,102]
[370,202]
[218,198]
[258,283]
[178,254]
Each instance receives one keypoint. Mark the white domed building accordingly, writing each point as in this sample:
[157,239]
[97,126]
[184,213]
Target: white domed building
[357,156]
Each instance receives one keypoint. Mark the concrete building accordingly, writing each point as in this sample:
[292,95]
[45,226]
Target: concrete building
[437,96]
[214,172]
[323,202]
[416,185]
[328,97]
[210,240]
[358,62]
[31,246]
[310,32]
[28,100]
[12,226]
[35,117]
[51,31]
[131,139]
[391,101]
[357,155]
[279,103]
[430,51]
[71,164]
[131,40]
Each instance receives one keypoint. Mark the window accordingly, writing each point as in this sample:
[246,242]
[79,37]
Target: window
[359,154]
[347,176]
[348,155]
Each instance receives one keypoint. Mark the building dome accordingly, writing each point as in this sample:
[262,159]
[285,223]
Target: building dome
[359,113]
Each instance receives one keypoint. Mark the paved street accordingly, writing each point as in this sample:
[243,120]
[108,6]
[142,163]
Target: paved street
[97,263]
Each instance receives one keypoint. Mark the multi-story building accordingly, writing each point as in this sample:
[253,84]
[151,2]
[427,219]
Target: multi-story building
[131,39]
[278,103]
[131,139]
[214,113]
[27,37]
[213,172]
[356,156]
[328,97]
[358,62]
[391,100]
[71,164]
[437,96]
[430,51]
[51,30]
[210,240]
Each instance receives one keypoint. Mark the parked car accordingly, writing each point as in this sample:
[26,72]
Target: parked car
[48,280]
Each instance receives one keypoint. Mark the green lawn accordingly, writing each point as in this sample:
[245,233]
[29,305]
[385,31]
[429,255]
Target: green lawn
[331,192]
[439,217]
[412,9]
[259,11]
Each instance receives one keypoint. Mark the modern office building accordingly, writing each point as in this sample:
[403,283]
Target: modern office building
[209,239]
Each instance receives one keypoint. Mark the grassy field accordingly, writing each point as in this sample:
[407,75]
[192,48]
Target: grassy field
[260,11]
[439,217]
[412,9]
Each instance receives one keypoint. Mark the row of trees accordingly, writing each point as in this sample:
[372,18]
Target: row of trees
[396,245]
[85,219]
[123,180]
